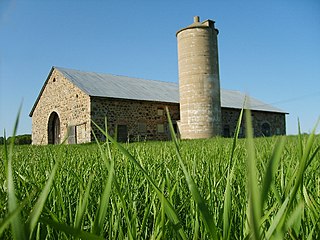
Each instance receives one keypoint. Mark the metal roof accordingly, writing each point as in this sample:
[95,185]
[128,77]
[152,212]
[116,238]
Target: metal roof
[114,86]
[238,100]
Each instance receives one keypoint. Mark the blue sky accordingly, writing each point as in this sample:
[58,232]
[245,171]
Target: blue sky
[267,49]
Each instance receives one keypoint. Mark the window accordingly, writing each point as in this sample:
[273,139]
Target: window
[160,111]
[226,131]
[142,127]
[160,128]
[265,129]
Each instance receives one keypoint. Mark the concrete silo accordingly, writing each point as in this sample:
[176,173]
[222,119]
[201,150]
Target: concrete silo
[199,84]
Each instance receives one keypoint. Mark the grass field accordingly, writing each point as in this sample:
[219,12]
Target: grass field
[265,188]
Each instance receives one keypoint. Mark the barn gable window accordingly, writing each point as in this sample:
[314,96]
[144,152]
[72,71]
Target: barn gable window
[160,111]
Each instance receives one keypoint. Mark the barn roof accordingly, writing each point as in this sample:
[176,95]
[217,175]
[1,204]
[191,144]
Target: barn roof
[115,86]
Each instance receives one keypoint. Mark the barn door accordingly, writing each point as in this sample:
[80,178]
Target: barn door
[54,129]
[122,133]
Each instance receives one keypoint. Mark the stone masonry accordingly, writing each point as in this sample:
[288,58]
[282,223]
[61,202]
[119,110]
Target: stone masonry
[199,83]
[144,120]
[72,105]
[276,122]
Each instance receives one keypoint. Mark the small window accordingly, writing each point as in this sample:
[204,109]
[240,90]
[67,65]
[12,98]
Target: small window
[278,132]
[160,128]
[226,131]
[142,127]
[54,80]
[160,111]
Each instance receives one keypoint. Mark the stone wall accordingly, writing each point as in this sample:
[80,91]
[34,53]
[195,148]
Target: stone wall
[71,105]
[142,120]
[275,121]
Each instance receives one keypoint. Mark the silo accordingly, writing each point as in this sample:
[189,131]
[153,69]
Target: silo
[199,84]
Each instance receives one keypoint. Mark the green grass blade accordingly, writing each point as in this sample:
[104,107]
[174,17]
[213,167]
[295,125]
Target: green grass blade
[277,219]
[294,220]
[199,200]
[82,205]
[300,141]
[7,220]
[37,209]
[104,202]
[304,161]
[236,136]
[227,206]
[253,191]
[311,203]
[271,170]
[77,233]
[17,227]
[310,236]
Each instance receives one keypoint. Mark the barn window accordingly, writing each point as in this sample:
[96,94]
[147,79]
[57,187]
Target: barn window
[226,131]
[160,128]
[54,80]
[142,127]
[72,135]
[265,129]
[160,111]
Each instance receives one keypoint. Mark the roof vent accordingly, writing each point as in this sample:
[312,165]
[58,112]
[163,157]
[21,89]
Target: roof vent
[196,19]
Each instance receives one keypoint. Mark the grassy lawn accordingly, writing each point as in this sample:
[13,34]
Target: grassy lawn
[200,189]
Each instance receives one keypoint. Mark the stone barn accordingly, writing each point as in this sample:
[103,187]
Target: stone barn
[70,101]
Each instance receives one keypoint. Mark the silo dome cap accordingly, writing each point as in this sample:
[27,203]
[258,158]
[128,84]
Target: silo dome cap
[197,24]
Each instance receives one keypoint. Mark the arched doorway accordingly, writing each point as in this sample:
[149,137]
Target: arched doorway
[54,129]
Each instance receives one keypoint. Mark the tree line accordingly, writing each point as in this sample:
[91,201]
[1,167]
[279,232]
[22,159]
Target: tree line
[24,139]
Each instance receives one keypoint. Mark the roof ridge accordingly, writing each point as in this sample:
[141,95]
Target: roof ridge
[112,74]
